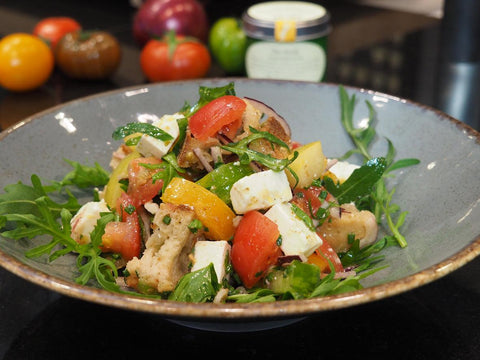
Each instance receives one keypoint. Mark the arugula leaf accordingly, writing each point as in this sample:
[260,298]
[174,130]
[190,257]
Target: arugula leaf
[82,176]
[169,169]
[362,139]
[144,128]
[303,216]
[207,94]
[197,286]
[362,258]
[360,184]
[182,127]
[247,155]
[21,199]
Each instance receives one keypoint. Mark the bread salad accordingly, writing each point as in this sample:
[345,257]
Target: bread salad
[217,203]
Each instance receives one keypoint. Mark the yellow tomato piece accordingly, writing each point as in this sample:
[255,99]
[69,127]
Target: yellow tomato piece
[113,189]
[309,165]
[214,214]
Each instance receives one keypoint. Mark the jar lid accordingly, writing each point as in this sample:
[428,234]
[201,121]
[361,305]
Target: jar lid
[286,21]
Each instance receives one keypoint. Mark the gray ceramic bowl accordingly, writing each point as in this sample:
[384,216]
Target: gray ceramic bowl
[442,194]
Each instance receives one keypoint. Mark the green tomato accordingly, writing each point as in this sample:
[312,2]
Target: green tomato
[228,44]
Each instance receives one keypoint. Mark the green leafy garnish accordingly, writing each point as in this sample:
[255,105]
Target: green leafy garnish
[303,216]
[83,176]
[362,138]
[360,184]
[207,94]
[247,155]
[169,169]
[144,128]
[197,286]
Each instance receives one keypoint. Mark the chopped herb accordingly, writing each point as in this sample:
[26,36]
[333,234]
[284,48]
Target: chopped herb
[195,225]
[129,209]
[167,220]
[279,240]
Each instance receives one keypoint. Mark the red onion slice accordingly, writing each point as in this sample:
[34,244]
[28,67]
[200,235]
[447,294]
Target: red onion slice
[269,112]
[198,153]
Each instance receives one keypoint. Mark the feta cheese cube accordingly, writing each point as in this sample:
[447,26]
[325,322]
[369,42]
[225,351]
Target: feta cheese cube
[149,146]
[85,220]
[216,252]
[342,170]
[297,238]
[260,191]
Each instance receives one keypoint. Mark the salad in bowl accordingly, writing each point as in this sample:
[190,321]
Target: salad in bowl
[218,203]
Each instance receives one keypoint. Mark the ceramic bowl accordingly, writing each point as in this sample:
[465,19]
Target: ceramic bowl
[442,193]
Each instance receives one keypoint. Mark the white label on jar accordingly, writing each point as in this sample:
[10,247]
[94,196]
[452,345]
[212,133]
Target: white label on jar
[304,61]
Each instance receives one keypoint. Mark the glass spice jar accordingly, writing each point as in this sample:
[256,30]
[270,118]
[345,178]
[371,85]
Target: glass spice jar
[286,40]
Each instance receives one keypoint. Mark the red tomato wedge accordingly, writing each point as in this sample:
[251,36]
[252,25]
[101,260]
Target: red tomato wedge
[123,237]
[218,113]
[255,247]
[311,199]
[141,187]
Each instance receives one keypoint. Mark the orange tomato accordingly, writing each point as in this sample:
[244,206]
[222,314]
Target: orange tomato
[214,214]
[26,62]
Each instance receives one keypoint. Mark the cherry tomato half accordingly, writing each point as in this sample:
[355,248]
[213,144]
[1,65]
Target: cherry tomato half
[217,115]
[26,62]
[255,247]
[174,58]
[52,29]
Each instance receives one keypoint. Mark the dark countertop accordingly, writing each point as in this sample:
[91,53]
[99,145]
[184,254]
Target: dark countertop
[389,51]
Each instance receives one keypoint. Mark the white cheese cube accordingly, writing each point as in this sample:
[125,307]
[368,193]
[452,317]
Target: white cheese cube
[149,146]
[260,191]
[216,252]
[85,220]
[342,170]
[297,238]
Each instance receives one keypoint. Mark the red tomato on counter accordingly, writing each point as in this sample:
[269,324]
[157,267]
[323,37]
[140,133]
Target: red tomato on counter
[52,29]
[174,58]
[255,247]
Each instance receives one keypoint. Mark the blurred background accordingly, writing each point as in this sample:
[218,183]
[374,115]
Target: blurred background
[425,50]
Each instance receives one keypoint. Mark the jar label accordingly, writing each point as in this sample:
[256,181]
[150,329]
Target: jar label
[304,61]
[285,30]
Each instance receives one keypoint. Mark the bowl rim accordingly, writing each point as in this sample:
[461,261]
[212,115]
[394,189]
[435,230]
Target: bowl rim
[236,311]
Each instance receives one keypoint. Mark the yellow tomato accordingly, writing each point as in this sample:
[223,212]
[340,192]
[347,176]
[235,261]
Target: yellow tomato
[26,62]
[214,214]
[309,165]
[113,189]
